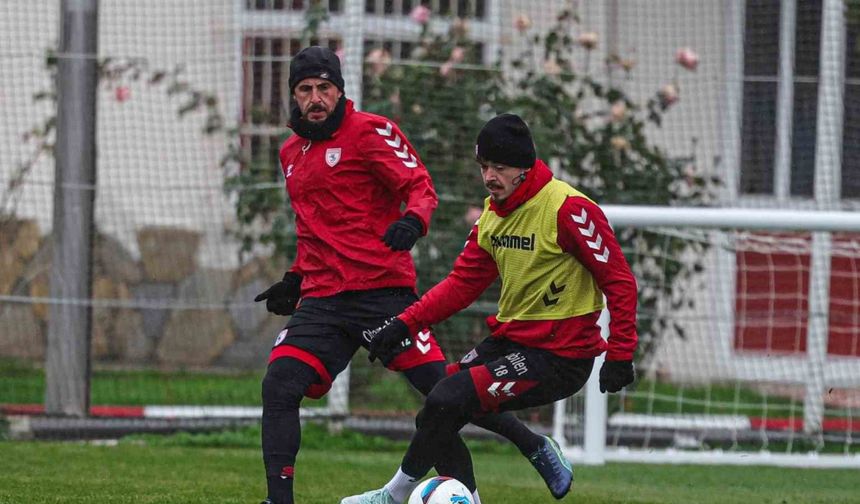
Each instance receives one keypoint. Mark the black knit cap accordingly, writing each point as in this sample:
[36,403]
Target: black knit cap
[506,139]
[315,61]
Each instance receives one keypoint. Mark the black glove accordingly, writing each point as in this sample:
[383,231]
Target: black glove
[389,341]
[615,375]
[403,233]
[281,297]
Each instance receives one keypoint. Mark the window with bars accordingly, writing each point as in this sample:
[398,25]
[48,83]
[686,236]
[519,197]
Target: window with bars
[266,54]
[761,106]
[402,49]
[290,5]
[851,105]
[771,298]
[476,9]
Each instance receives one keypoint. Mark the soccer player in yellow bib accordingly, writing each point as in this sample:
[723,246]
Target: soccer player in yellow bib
[557,258]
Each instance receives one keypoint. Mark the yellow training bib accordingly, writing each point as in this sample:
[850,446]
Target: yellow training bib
[539,280]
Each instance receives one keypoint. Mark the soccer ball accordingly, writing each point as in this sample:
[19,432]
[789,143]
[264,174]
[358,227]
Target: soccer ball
[441,490]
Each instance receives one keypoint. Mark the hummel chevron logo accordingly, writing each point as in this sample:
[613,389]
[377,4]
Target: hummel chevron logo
[402,154]
[548,301]
[385,131]
[423,342]
[408,160]
[588,232]
[494,389]
[394,143]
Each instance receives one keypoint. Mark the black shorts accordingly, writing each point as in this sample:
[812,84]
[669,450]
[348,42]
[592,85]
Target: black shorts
[326,332]
[508,376]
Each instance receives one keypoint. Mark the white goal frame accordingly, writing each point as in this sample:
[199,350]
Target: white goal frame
[819,371]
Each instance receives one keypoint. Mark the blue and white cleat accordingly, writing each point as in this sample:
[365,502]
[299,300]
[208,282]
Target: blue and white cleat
[380,496]
[555,470]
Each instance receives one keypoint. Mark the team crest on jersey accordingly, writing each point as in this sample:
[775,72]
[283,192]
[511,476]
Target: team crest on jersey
[332,156]
[281,336]
[469,357]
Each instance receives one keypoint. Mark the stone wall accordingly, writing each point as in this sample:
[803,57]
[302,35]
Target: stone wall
[161,310]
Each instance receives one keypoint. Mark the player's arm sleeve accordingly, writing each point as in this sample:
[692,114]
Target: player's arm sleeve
[282,156]
[474,270]
[584,232]
[396,163]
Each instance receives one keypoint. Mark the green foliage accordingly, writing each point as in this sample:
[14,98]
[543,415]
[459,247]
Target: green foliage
[262,213]
[315,15]
[438,104]
[592,133]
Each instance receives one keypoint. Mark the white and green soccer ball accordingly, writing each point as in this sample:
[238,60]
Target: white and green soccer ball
[441,490]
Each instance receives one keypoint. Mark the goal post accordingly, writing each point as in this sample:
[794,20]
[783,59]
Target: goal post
[788,423]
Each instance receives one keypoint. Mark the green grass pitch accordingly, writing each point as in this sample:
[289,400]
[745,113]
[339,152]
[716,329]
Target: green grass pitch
[227,468]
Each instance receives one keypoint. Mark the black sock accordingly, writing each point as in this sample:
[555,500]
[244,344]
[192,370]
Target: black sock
[283,388]
[509,426]
[280,490]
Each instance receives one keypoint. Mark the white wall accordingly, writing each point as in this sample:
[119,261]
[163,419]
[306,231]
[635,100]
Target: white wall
[27,30]
[154,168]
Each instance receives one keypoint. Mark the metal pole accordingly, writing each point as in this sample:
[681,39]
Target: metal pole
[352,75]
[828,161]
[354,51]
[596,407]
[67,367]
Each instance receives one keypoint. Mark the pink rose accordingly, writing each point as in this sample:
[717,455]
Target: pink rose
[551,67]
[420,14]
[458,54]
[445,69]
[522,23]
[122,93]
[618,111]
[379,60]
[627,64]
[587,40]
[687,58]
[668,95]
[619,143]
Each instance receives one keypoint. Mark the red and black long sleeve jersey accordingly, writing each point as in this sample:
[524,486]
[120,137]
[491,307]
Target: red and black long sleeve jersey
[345,192]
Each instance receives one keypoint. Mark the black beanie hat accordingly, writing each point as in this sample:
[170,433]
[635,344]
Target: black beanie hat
[315,61]
[506,139]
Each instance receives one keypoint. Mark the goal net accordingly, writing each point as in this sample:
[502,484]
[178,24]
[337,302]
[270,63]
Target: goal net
[748,341]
